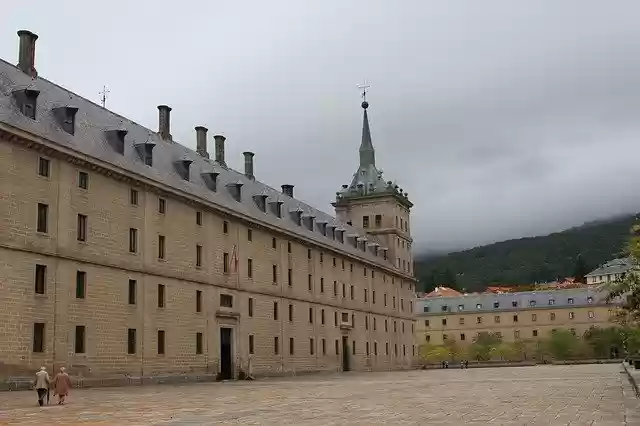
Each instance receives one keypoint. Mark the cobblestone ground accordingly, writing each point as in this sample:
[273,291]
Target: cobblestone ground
[541,395]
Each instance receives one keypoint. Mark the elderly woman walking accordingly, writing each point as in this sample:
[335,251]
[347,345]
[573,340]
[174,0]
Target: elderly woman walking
[42,384]
[62,384]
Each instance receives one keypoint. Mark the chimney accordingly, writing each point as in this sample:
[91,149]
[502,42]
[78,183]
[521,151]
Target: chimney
[220,149]
[164,122]
[201,141]
[248,164]
[287,190]
[27,52]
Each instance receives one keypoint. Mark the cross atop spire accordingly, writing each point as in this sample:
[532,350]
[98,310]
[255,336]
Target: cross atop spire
[364,86]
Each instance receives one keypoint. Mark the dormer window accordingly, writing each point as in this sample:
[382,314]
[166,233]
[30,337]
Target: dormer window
[261,202]
[339,235]
[115,138]
[296,216]
[235,189]
[276,208]
[322,227]
[182,167]
[66,117]
[145,151]
[211,180]
[309,222]
[26,100]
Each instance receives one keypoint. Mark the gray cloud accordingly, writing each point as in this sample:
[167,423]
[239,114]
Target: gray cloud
[501,119]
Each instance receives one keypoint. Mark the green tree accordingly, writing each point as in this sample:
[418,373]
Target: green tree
[563,344]
[434,353]
[627,288]
[483,345]
[580,269]
[505,352]
[605,342]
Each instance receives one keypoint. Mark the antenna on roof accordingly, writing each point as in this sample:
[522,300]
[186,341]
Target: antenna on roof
[104,93]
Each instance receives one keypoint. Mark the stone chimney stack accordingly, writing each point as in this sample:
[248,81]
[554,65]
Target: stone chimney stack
[287,190]
[201,141]
[220,149]
[164,122]
[248,165]
[27,52]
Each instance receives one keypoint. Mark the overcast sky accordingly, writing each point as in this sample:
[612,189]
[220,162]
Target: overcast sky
[501,119]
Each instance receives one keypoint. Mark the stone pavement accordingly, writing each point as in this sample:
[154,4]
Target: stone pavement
[540,395]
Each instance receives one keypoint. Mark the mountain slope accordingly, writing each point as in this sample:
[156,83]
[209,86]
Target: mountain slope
[527,260]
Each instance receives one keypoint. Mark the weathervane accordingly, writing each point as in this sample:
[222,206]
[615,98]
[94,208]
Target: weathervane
[364,86]
[104,93]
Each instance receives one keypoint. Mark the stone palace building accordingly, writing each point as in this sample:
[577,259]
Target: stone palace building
[123,252]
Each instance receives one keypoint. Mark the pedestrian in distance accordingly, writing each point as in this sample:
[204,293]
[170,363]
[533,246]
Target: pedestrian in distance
[62,384]
[42,384]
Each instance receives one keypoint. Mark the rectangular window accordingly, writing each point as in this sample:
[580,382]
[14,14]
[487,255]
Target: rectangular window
[337,345]
[310,279]
[43,167]
[276,345]
[572,315]
[516,334]
[365,295]
[132,292]
[225,263]
[198,255]
[444,321]
[79,341]
[321,285]
[353,347]
[534,317]
[378,222]
[322,316]
[515,318]
[535,333]
[310,315]
[321,257]
[312,346]
[249,234]
[552,316]
[462,336]
[83,180]
[274,273]
[225,227]
[290,277]
[81,284]
[199,218]
[198,343]
[38,337]
[478,320]
[496,319]
[198,301]
[133,240]
[273,243]
[43,213]
[290,312]
[308,254]
[82,228]
[334,262]
[162,205]
[275,311]
[251,306]
[365,221]
[131,341]
[160,295]
[226,300]
[373,297]
[344,290]
[251,344]
[161,248]
[41,279]
[250,268]
[351,292]
[160,342]
[291,347]
[335,288]
[335,318]
[324,347]
[591,314]
[133,199]
[288,246]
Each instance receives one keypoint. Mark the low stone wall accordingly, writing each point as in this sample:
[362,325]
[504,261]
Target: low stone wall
[498,363]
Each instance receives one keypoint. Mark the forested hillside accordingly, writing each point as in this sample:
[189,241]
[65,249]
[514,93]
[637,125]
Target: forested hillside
[527,260]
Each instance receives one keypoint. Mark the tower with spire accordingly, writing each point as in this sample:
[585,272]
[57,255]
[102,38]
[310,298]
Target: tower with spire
[377,205]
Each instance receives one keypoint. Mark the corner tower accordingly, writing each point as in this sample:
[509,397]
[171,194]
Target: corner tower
[380,207]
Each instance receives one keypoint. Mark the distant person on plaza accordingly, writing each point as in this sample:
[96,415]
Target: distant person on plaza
[62,384]
[42,384]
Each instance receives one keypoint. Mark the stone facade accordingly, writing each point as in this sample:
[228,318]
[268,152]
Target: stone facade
[98,265]
[516,316]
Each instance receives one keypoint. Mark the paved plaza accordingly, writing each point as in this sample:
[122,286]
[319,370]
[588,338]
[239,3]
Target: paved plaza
[541,395]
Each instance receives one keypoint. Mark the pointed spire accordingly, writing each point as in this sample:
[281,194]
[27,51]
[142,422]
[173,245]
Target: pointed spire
[367,153]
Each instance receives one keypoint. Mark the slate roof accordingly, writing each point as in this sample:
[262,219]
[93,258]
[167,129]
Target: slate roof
[368,179]
[615,266]
[89,139]
[484,302]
